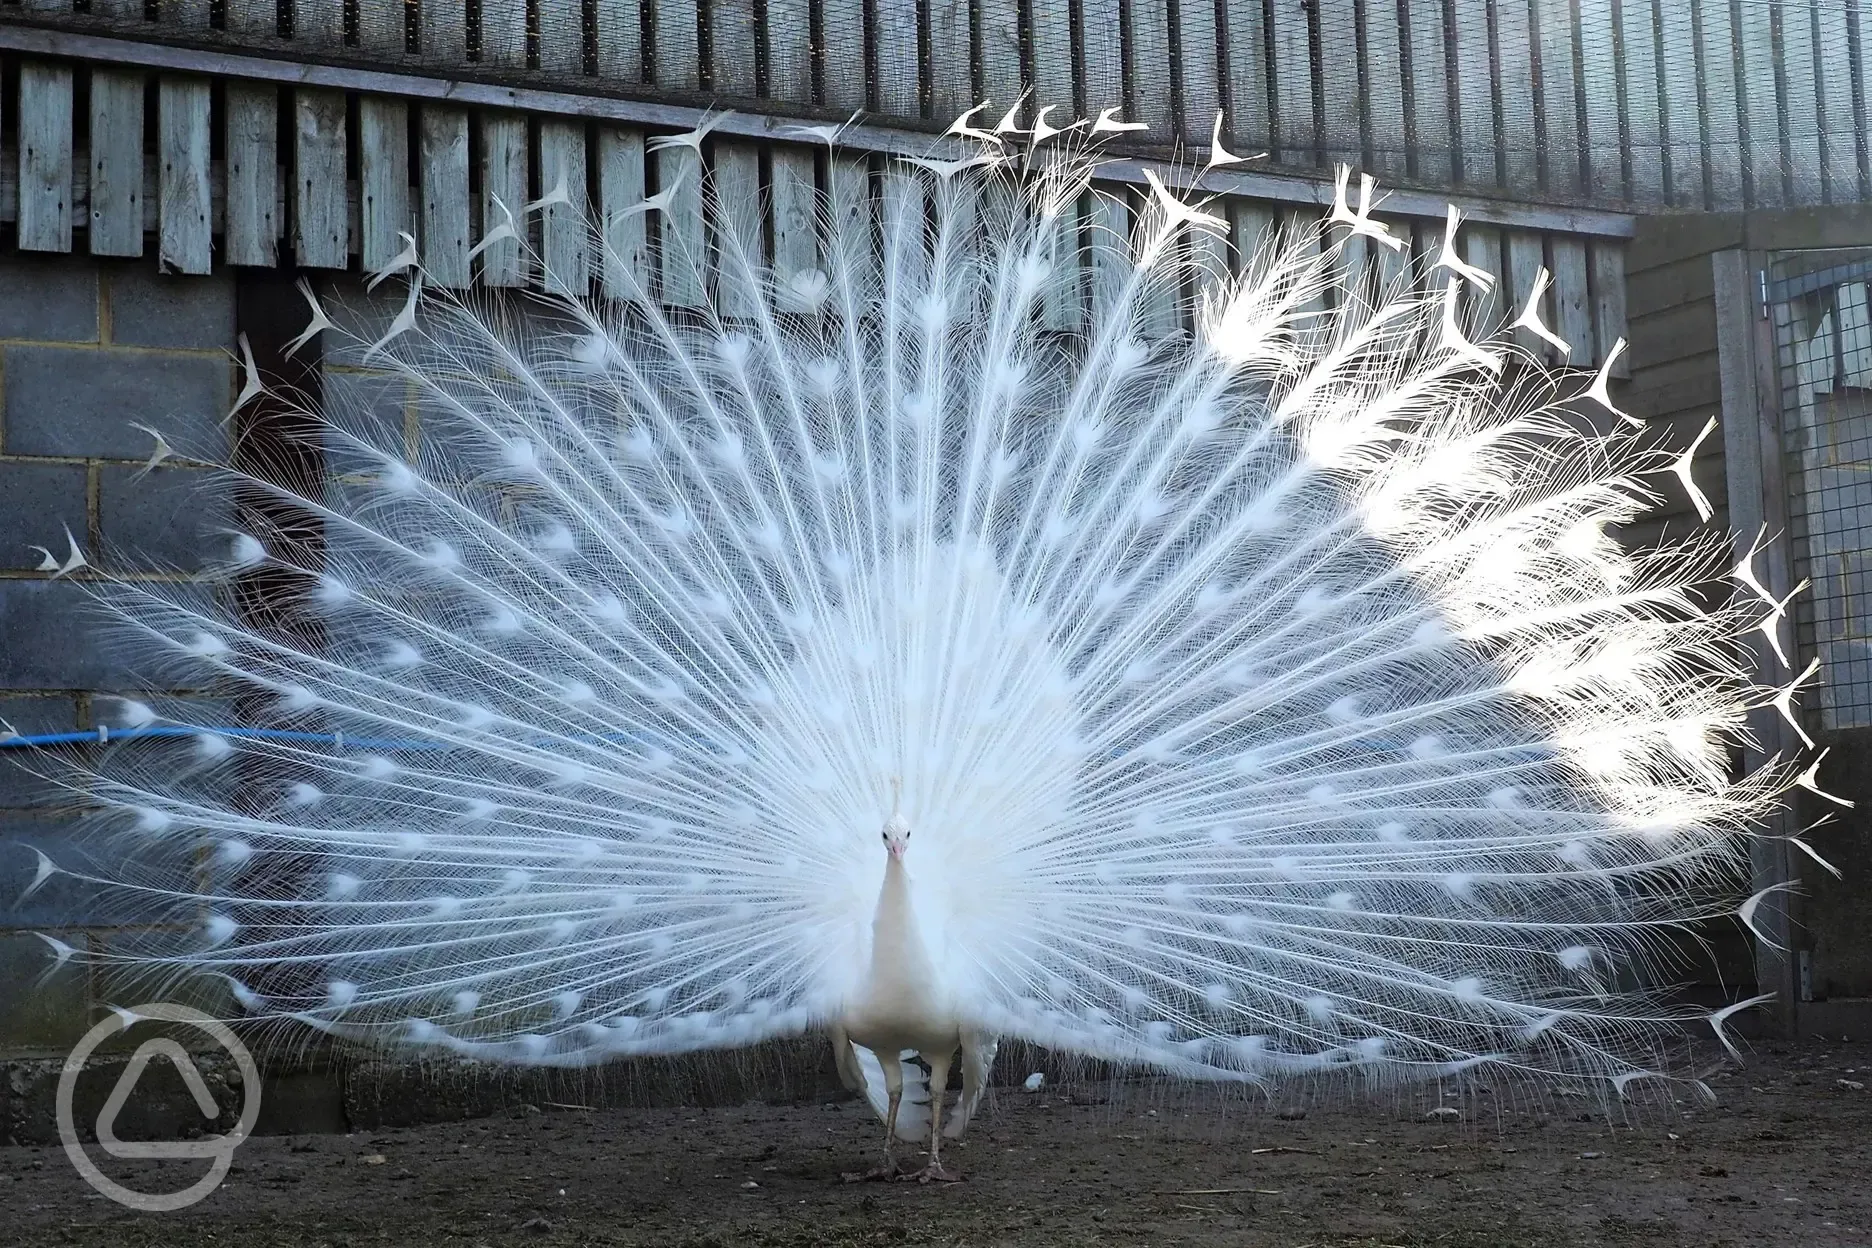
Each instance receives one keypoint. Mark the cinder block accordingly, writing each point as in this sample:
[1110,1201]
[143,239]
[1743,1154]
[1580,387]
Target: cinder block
[48,298]
[38,502]
[47,1006]
[61,901]
[78,401]
[152,309]
[367,406]
[172,519]
[360,317]
[59,635]
[30,717]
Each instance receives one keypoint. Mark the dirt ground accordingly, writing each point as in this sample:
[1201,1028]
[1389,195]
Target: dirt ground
[1783,1158]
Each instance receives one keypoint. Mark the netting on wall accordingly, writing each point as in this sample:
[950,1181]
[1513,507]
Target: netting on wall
[1823,307]
[1653,103]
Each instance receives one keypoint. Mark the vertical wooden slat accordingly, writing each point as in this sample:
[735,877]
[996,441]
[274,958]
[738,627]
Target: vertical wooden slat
[1800,81]
[252,233]
[1380,37]
[321,221]
[1109,224]
[626,262]
[1760,106]
[620,40]
[245,17]
[116,227]
[1839,154]
[1526,258]
[731,47]
[380,29]
[1721,104]
[1062,303]
[561,36]
[503,193]
[1160,310]
[1053,58]
[318,24]
[1599,87]
[1296,137]
[1252,228]
[794,197]
[383,179]
[564,232]
[902,209]
[1300,231]
[441,32]
[675,51]
[853,225]
[843,52]
[1559,90]
[1393,264]
[442,156]
[1351,269]
[1250,113]
[1482,248]
[1475,93]
[894,31]
[1101,69]
[998,34]
[736,213]
[45,152]
[788,36]
[952,84]
[181,14]
[1861,28]
[1645,138]
[1514,77]
[1572,298]
[1335,50]
[682,245]
[1429,123]
[185,230]
[1682,115]
[1199,63]
[503,32]
[1608,292]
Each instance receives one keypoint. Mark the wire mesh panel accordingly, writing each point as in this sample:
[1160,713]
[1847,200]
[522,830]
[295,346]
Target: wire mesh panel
[1822,305]
[1652,103]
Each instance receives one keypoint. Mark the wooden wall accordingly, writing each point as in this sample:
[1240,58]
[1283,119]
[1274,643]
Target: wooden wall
[123,160]
[1712,104]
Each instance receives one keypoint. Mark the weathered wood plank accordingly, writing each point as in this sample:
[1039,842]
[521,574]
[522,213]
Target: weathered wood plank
[321,217]
[564,222]
[1560,135]
[1482,248]
[1608,290]
[1526,258]
[676,50]
[1475,94]
[626,262]
[1252,232]
[902,246]
[894,31]
[620,40]
[731,47]
[1250,112]
[504,183]
[1429,124]
[852,205]
[952,83]
[245,17]
[1682,115]
[446,215]
[788,43]
[1110,226]
[1296,137]
[1800,80]
[252,232]
[441,34]
[1721,105]
[561,36]
[383,180]
[1053,58]
[681,248]
[1101,69]
[1382,60]
[1861,28]
[503,32]
[1063,301]
[1599,87]
[1839,148]
[1761,109]
[843,51]
[794,200]
[182,14]
[1392,269]
[1572,298]
[116,191]
[1643,120]
[1514,76]
[186,232]
[1335,48]
[45,150]
[1199,60]
[382,29]
[997,31]
[318,24]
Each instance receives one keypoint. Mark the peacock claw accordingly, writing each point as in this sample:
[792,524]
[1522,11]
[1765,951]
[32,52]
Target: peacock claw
[935,1172]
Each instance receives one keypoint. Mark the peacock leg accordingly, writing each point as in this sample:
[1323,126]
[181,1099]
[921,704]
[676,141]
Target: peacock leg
[938,1084]
[893,1089]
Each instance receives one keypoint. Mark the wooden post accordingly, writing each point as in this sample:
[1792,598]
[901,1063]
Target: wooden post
[1757,478]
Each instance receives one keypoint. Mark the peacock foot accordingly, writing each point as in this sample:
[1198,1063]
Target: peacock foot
[935,1172]
[885,1173]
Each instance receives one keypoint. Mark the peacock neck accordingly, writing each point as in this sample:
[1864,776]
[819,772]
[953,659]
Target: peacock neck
[894,938]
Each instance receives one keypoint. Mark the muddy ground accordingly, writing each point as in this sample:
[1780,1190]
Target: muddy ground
[1784,1158]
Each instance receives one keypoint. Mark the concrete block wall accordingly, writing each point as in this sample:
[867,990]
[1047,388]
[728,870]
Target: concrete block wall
[89,350]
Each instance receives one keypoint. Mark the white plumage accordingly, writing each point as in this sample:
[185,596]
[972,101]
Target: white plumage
[1267,699]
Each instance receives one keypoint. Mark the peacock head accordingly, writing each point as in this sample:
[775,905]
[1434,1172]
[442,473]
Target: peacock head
[896,828]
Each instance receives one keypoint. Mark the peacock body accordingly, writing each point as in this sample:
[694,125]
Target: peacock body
[1265,699]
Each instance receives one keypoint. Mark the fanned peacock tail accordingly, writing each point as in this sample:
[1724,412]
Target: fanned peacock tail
[1268,698]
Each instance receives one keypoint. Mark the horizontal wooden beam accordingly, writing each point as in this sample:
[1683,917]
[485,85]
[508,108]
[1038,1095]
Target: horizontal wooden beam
[866,136]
